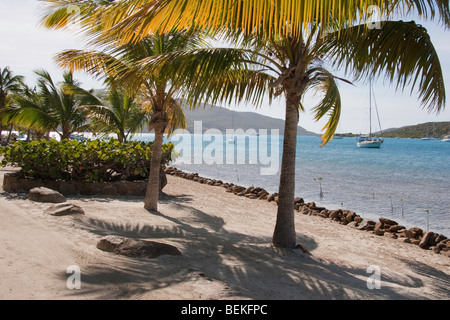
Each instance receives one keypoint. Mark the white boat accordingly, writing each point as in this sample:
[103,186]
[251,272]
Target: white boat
[446,139]
[369,141]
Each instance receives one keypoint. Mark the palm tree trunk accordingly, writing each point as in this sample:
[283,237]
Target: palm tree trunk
[153,189]
[284,234]
[10,133]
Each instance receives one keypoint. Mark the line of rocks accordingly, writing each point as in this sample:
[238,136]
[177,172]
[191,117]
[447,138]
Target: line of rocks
[384,227]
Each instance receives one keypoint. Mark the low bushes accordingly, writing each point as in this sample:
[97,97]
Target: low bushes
[89,160]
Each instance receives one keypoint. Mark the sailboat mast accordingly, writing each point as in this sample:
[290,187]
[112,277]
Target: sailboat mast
[370,110]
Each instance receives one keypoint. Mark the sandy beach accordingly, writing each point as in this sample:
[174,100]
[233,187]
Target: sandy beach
[226,249]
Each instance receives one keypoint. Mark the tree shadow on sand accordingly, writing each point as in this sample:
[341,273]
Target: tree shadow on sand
[249,265]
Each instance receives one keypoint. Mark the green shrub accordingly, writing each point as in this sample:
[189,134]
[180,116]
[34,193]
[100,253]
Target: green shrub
[89,160]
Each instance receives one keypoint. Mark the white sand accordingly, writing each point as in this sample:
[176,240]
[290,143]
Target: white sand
[226,248]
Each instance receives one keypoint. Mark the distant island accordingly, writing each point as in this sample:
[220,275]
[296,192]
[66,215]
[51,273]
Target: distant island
[215,117]
[418,131]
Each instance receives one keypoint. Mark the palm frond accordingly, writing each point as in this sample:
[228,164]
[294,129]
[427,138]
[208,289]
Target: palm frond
[131,20]
[401,51]
[330,105]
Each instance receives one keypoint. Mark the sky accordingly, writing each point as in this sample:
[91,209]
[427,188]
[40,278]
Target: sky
[25,47]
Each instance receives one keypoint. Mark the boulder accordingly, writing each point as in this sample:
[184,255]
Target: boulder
[388,221]
[366,225]
[349,215]
[439,247]
[424,243]
[335,214]
[42,194]
[353,224]
[63,209]
[396,228]
[298,200]
[136,248]
[414,232]
[390,235]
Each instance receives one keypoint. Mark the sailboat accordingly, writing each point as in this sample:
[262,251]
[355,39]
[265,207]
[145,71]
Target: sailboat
[369,141]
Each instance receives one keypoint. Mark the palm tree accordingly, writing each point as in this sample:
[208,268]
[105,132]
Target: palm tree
[157,92]
[9,83]
[55,109]
[290,39]
[117,113]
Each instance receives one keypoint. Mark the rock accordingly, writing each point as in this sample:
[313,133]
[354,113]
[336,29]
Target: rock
[248,190]
[388,221]
[42,194]
[439,247]
[366,225]
[63,209]
[136,248]
[424,243]
[335,214]
[298,200]
[378,226]
[390,235]
[358,219]
[349,215]
[396,228]
[414,232]
[305,210]
[440,238]
[352,224]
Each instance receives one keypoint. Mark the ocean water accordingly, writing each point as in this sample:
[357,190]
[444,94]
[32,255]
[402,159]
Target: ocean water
[402,180]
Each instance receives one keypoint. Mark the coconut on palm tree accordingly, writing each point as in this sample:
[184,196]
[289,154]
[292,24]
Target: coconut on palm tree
[290,39]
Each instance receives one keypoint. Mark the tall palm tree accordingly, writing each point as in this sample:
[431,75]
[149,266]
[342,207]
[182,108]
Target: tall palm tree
[55,108]
[291,66]
[296,35]
[9,84]
[157,92]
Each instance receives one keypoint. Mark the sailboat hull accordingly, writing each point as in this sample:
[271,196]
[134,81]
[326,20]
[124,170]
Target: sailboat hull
[369,144]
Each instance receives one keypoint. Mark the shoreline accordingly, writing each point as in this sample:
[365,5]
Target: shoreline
[428,240]
[226,252]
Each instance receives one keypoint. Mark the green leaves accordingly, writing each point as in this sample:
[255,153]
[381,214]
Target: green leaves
[90,160]
[402,51]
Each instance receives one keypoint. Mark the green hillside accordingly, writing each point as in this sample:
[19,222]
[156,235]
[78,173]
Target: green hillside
[429,129]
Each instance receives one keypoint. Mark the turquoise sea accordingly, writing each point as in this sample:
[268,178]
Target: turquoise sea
[401,180]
